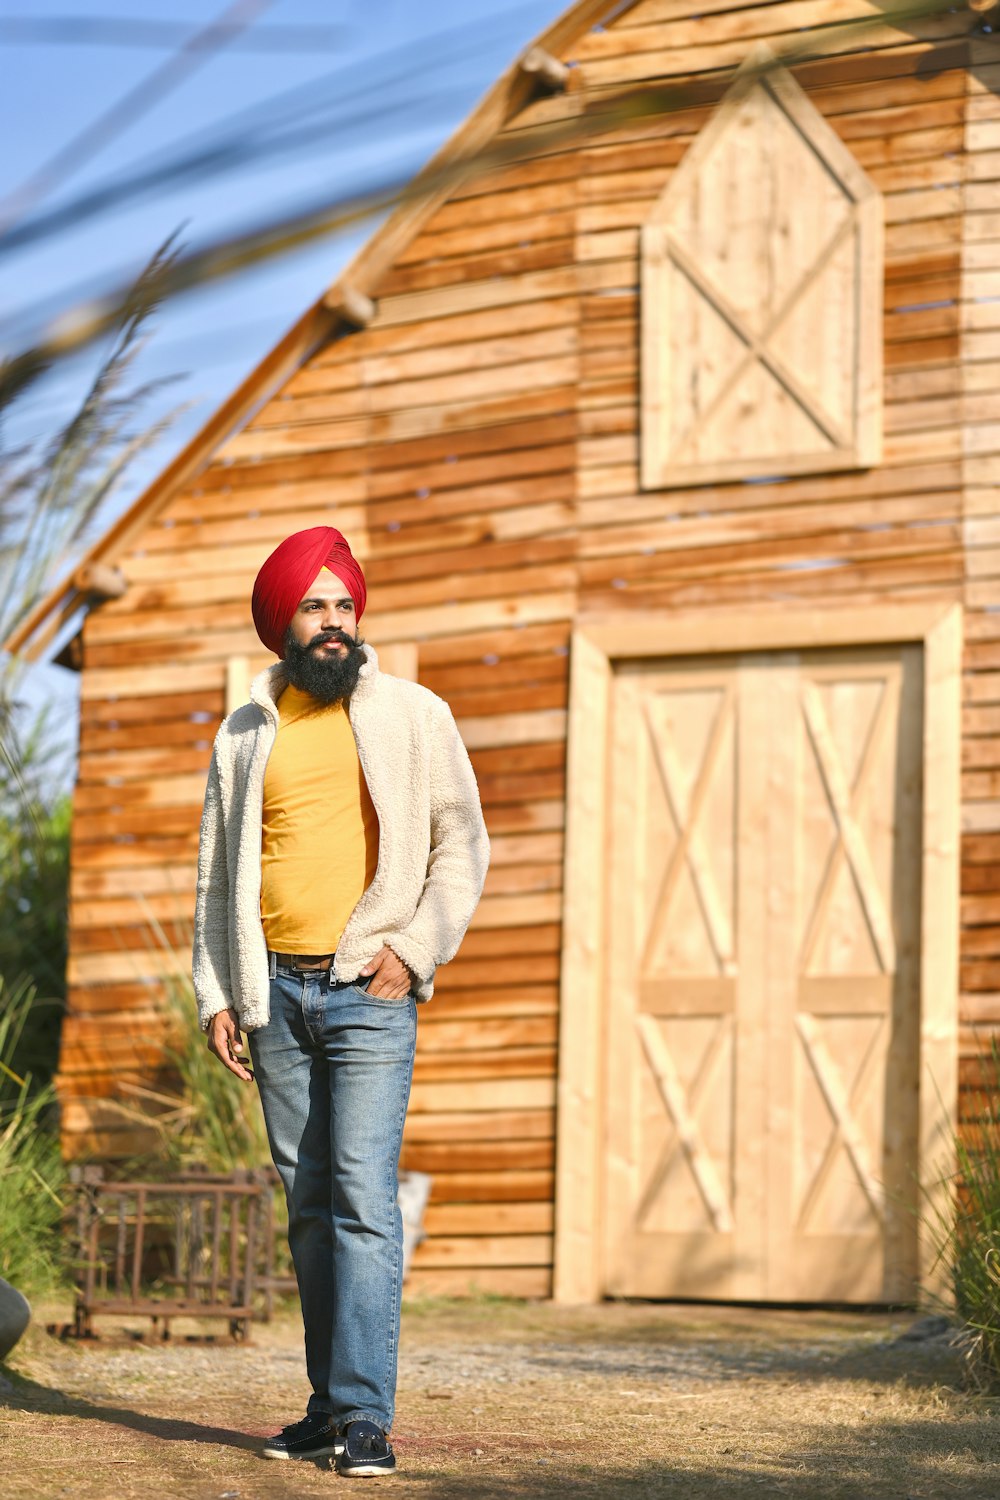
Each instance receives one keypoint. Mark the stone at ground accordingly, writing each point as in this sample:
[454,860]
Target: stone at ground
[930,1328]
[15,1315]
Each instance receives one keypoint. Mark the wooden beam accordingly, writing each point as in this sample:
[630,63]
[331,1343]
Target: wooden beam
[100,581]
[545,69]
[350,305]
[68,604]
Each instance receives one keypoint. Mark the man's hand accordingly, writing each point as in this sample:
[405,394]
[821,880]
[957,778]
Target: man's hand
[225,1041]
[392,979]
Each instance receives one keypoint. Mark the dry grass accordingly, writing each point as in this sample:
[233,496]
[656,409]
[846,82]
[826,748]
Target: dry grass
[502,1399]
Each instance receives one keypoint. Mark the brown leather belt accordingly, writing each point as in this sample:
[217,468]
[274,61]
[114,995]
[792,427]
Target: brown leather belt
[303,960]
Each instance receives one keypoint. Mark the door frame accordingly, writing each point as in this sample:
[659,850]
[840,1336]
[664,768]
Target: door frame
[598,641]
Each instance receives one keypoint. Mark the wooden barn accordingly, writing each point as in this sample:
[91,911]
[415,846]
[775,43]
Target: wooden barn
[667,434]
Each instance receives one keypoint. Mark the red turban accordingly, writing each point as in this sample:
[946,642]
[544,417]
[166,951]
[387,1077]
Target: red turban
[282,582]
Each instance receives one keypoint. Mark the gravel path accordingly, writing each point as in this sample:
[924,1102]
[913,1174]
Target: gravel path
[508,1399]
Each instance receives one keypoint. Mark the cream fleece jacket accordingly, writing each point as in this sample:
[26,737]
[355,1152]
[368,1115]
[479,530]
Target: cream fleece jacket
[433,848]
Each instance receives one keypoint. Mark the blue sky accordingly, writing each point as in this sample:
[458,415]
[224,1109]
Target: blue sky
[413,71]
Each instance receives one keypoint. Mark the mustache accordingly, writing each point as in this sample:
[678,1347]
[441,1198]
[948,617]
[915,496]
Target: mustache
[332,635]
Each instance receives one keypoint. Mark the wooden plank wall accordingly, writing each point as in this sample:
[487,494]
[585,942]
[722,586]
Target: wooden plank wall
[478,445]
[979,301]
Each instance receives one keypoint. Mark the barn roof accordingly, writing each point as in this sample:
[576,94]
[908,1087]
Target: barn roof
[333,309]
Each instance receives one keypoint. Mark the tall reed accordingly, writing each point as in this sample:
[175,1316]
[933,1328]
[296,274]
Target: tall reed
[221,1123]
[965,1229]
[32,1176]
[209,1119]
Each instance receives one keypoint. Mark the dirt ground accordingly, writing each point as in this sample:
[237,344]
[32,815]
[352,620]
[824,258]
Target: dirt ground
[502,1399]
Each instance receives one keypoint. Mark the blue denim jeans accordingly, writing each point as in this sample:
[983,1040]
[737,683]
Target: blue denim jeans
[334,1067]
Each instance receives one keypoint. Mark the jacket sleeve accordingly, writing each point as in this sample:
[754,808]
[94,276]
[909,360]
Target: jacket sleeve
[210,958]
[459,856]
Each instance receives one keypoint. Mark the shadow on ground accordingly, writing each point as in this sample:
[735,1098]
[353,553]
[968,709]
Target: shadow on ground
[532,1403]
[925,1365]
[24,1394]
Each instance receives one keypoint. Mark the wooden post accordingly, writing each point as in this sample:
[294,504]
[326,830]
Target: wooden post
[577,1274]
[237,682]
[399,659]
[99,581]
[351,305]
[548,70]
[939,941]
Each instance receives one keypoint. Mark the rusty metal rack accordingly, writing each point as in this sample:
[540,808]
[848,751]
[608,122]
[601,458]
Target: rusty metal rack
[194,1246]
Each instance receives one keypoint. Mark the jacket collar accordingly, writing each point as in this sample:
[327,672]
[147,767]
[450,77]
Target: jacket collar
[267,686]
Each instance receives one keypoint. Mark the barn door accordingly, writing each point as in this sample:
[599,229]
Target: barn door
[762,1041]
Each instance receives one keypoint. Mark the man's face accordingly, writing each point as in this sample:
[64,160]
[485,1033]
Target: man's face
[322,645]
[325,616]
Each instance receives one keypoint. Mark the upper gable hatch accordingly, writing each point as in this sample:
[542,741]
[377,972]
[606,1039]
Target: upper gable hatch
[762,297]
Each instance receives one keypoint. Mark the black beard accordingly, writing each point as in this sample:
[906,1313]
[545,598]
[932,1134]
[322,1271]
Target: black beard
[328,677]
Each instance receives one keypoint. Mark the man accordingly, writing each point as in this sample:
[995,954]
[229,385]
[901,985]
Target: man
[342,856]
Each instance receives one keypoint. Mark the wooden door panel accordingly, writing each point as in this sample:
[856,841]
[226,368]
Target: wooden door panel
[762,1029]
[847,823]
[672,983]
[684,1134]
[857,849]
[687,759]
[838,1114]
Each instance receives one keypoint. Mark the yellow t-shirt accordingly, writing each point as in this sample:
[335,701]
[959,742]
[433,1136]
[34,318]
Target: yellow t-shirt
[319,847]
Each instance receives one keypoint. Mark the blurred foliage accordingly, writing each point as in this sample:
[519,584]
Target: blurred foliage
[33,1254]
[974,1238]
[210,1119]
[34,877]
[51,491]
[50,494]
[964,1228]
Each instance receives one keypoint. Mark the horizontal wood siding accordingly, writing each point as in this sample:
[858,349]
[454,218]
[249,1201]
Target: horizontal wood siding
[478,443]
[980,951]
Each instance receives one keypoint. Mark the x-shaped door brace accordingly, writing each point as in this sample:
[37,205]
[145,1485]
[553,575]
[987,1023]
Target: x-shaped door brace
[757,345]
[841,1105]
[844,803]
[681,1109]
[690,848]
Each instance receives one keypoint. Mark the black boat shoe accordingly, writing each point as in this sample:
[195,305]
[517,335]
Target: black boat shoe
[313,1437]
[366,1451]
